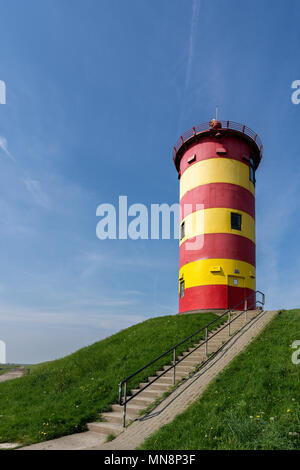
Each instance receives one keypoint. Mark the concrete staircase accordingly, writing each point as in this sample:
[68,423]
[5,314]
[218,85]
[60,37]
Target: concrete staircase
[112,424]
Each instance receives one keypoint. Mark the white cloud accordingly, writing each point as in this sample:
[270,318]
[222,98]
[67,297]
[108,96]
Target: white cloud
[4,147]
[190,55]
[193,31]
[35,189]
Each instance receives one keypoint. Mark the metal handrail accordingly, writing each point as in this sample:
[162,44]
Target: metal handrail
[123,402]
[206,126]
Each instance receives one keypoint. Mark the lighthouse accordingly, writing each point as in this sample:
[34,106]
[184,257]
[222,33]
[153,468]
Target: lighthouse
[216,164]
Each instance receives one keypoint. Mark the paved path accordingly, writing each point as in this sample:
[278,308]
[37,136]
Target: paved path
[13,374]
[176,403]
[80,441]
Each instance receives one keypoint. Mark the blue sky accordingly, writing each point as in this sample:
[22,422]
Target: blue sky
[98,91]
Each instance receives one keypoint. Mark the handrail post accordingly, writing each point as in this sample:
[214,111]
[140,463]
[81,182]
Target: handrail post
[206,340]
[120,393]
[229,319]
[174,366]
[124,405]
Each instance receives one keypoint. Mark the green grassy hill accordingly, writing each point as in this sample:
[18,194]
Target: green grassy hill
[253,404]
[60,397]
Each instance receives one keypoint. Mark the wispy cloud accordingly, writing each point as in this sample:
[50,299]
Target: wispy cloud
[103,320]
[190,54]
[35,189]
[193,31]
[4,147]
[33,186]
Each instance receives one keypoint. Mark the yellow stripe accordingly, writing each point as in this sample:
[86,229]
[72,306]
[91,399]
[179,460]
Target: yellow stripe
[216,170]
[217,220]
[218,272]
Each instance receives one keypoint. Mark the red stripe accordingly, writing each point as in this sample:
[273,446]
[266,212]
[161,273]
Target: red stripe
[215,297]
[230,196]
[217,245]
[207,148]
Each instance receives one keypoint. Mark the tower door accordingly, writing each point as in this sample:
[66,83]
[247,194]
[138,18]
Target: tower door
[236,292]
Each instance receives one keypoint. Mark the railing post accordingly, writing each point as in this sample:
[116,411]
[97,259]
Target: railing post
[174,366]
[229,320]
[124,405]
[120,393]
[206,340]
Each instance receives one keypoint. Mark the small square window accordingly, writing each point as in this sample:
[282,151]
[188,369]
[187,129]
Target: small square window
[182,230]
[181,289]
[236,221]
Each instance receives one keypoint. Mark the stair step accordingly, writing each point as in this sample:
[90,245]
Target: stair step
[156,386]
[184,367]
[170,373]
[196,354]
[116,417]
[105,428]
[132,410]
[142,400]
[220,333]
[147,393]
[197,351]
[189,360]
[164,380]
[218,341]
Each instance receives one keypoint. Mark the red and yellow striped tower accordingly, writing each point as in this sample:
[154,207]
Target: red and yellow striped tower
[216,164]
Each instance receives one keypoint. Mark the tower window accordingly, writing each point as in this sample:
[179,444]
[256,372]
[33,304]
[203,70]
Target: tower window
[192,158]
[182,230]
[252,170]
[181,289]
[236,221]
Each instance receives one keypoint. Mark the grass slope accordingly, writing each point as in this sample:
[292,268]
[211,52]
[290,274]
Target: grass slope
[253,404]
[60,397]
